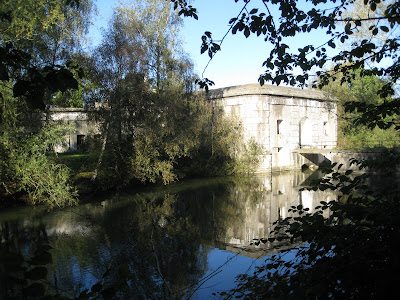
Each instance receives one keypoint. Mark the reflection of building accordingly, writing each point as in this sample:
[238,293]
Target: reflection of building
[282,191]
[282,120]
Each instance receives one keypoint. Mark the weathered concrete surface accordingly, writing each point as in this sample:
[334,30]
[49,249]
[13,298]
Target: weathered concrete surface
[282,120]
[79,118]
[319,157]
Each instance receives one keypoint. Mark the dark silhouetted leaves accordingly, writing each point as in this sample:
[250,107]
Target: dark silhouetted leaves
[36,273]
[43,258]
[34,290]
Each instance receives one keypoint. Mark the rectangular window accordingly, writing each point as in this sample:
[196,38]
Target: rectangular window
[325,128]
[80,139]
[279,126]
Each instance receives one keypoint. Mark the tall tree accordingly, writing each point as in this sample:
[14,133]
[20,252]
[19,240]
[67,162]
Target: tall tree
[352,134]
[34,38]
[49,30]
[153,122]
[131,67]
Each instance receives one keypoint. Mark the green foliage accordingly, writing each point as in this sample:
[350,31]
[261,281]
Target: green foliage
[74,97]
[156,130]
[249,157]
[30,169]
[37,39]
[354,130]
[218,142]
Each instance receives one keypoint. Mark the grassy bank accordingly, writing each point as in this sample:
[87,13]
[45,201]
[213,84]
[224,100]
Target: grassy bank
[82,166]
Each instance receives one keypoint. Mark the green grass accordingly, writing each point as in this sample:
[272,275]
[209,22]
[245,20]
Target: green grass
[77,162]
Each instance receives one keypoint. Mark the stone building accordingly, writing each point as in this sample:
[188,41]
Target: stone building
[282,119]
[286,121]
[79,119]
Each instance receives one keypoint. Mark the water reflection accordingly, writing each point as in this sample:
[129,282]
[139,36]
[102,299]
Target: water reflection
[164,238]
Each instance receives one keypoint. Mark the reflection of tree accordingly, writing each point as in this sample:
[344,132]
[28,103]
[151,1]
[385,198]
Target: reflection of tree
[157,242]
[17,242]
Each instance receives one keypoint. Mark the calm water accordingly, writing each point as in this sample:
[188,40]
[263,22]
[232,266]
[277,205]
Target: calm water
[187,240]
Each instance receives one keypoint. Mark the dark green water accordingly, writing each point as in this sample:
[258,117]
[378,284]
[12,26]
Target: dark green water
[186,240]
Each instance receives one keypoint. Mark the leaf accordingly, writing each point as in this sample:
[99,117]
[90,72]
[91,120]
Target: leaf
[20,88]
[34,290]
[384,28]
[3,73]
[348,172]
[247,32]
[36,273]
[42,259]
[43,248]
[204,48]
[331,44]
[253,11]
[347,28]
[97,287]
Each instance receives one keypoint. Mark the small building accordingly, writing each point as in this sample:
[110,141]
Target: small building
[281,119]
[80,120]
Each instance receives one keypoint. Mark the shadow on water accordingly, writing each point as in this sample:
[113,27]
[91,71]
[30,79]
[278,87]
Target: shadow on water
[186,240]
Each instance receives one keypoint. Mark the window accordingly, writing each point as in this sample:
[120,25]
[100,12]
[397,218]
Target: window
[279,126]
[325,128]
[80,139]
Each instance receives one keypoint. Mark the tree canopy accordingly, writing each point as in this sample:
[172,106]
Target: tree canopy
[37,42]
[334,20]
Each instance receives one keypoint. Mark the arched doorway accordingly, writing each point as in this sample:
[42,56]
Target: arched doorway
[305,133]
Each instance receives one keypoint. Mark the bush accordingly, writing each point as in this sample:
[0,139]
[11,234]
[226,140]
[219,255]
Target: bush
[31,170]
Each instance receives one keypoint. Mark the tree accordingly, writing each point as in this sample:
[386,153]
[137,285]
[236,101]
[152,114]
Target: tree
[328,16]
[30,74]
[121,70]
[38,39]
[358,10]
[352,134]
[155,129]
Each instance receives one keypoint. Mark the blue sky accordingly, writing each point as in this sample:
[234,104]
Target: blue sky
[240,59]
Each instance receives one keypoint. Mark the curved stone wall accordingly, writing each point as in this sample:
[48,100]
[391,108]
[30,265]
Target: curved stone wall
[282,120]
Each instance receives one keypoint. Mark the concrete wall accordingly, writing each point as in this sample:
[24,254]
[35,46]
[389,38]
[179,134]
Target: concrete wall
[79,118]
[282,119]
[319,157]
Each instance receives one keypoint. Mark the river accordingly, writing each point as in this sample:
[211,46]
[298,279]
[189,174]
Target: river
[187,240]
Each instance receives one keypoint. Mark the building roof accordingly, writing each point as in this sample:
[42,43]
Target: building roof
[273,90]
